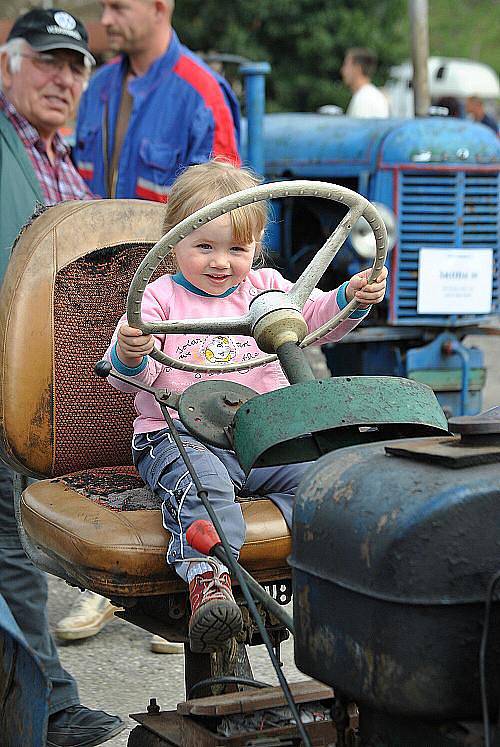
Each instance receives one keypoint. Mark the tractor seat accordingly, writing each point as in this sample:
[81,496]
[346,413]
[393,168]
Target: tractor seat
[60,301]
[104,525]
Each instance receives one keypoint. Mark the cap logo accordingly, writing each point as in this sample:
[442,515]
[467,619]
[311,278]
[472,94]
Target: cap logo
[64,20]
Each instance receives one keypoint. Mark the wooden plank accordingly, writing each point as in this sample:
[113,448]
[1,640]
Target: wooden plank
[247,701]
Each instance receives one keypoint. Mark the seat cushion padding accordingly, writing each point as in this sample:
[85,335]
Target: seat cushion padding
[61,299]
[123,552]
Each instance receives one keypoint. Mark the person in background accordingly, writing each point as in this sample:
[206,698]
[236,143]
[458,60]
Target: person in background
[475,109]
[151,112]
[44,66]
[43,75]
[357,70]
[154,110]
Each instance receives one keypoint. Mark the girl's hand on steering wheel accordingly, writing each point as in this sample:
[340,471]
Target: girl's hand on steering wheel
[366,294]
[132,345]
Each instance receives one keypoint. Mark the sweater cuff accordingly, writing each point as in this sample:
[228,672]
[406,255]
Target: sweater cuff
[342,303]
[122,368]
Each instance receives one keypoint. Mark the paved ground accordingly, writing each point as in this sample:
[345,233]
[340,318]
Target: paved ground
[116,671]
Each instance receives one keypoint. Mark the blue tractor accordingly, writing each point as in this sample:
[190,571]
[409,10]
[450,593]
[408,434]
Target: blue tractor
[436,181]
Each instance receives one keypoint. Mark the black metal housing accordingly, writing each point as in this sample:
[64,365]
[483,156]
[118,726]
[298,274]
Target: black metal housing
[391,562]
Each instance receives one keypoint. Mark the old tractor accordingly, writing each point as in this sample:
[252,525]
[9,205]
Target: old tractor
[436,183]
[392,615]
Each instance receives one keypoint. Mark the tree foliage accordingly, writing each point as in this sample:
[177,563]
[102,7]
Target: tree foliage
[303,40]
[466,29]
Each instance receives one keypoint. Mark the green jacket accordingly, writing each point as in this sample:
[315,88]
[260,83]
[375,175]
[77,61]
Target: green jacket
[19,189]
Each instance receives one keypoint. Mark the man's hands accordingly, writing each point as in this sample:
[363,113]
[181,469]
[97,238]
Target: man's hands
[132,345]
[366,294]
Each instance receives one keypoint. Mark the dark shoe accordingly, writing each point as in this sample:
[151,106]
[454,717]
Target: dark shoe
[77,726]
[215,616]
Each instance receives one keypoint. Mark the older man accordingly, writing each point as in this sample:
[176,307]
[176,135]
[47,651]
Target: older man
[44,68]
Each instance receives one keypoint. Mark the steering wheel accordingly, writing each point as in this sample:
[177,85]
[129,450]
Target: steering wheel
[266,302]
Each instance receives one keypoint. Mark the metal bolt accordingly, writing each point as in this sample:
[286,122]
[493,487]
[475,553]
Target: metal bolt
[153,706]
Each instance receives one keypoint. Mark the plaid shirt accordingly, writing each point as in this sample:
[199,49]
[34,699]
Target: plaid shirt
[59,180]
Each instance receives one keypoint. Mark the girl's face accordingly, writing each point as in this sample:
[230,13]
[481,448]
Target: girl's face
[211,260]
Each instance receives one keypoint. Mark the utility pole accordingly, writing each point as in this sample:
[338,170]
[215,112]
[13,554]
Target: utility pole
[419,30]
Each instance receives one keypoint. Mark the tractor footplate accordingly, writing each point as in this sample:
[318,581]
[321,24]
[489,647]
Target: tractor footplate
[246,717]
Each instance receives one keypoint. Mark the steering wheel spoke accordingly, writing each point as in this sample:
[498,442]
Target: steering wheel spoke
[249,324]
[323,258]
[230,325]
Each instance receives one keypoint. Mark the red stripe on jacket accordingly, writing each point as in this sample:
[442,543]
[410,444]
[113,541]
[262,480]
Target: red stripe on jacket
[208,88]
[86,173]
[149,194]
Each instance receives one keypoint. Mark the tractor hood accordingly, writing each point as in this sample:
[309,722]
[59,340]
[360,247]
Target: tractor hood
[323,146]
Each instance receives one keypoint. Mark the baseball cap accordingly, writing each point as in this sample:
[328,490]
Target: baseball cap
[52,28]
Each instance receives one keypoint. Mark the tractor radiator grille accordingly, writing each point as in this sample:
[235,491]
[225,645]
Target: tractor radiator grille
[443,209]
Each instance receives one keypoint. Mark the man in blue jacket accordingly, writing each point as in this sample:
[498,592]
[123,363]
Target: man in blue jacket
[152,111]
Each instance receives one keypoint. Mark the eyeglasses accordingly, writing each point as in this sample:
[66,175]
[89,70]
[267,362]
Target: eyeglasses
[50,64]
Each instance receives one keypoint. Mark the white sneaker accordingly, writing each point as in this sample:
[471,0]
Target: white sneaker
[88,615]
[160,645]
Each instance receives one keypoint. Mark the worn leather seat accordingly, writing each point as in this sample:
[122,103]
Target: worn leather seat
[62,296]
[123,552]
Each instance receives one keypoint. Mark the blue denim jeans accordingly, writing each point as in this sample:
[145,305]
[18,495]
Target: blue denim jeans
[24,588]
[160,465]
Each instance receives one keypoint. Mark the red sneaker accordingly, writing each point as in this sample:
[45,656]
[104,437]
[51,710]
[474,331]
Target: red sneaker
[215,616]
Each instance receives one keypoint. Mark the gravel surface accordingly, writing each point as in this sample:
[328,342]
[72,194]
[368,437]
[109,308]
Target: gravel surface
[117,672]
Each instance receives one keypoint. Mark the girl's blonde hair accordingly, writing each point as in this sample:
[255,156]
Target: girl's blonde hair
[204,183]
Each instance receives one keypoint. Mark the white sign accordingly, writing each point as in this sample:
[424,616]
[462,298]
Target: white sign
[455,281]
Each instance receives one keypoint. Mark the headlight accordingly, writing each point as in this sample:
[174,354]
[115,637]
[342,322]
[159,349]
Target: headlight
[362,237]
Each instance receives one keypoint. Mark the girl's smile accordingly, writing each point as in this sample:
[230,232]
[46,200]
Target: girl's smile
[210,258]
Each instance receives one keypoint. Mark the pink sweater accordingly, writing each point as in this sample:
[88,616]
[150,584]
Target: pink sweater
[165,299]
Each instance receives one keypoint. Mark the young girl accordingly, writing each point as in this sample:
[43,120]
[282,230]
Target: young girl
[215,279]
